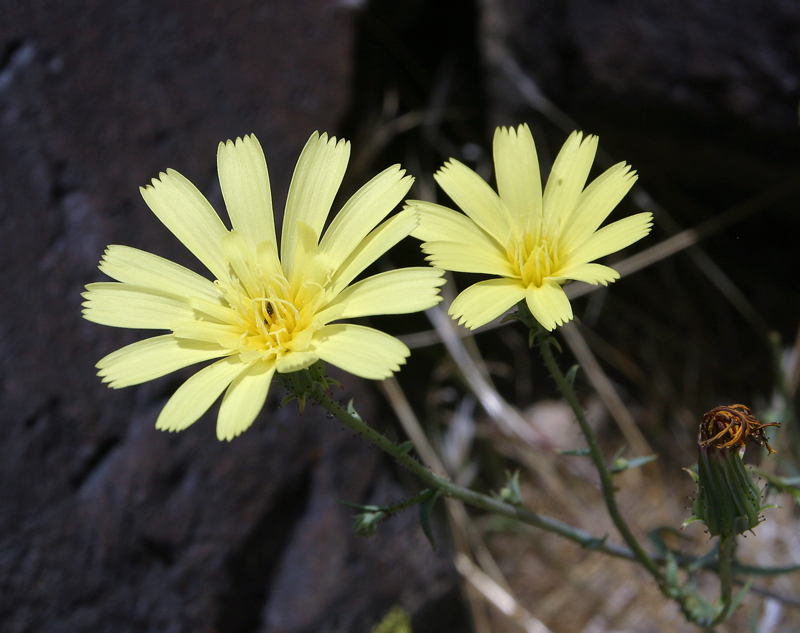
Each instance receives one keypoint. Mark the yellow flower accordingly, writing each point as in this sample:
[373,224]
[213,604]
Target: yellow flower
[531,243]
[264,312]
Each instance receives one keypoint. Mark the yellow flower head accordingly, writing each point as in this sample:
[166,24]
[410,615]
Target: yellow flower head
[531,243]
[265,311]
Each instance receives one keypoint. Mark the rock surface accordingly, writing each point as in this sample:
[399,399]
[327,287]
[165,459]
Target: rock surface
[105,523]
[695,92]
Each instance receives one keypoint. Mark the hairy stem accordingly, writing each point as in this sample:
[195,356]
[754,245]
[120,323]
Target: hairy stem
[606,481]
[306,386]
[727,548]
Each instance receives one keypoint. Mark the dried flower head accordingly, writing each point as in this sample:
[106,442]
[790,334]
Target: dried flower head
[732,426]
[728,501]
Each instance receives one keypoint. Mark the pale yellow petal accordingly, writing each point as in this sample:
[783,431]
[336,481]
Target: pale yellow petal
[244,179]
[223,334]
[185,212]
[613,238]
[295,361]
[442,225]
[567,178]
[516,166]
[362,213]
[215,311]
[549,304]
[373,246]
[242,261]
[124,305]
[140,268]
[476,198]
[268,261]
[244,399]
[398,291]
[196,395]
[311,270]
[438,223]
[210,309]
[486,300]
[315,182]
[594,205]
[152,358]
[360,350]
[588,273]
[483,257]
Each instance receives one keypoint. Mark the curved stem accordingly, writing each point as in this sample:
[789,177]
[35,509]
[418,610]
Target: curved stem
[606,482]
[301,386]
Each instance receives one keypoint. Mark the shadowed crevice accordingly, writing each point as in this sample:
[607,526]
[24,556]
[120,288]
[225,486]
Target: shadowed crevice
[251,569]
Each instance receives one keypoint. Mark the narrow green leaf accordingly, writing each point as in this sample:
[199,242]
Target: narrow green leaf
[573,371]
[737,600]
[705,560]
[576,452]
[621,464]
[352,411]
[594,543]
[671,570]
[738,568]
[363,508]
[655,536]
[511,492]
[425,509]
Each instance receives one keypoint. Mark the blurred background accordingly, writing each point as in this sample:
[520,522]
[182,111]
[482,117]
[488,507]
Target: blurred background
[109,525]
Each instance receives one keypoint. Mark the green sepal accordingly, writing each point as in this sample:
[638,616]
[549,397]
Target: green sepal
[406,447]
[728,501]
[319,374]
[300,384]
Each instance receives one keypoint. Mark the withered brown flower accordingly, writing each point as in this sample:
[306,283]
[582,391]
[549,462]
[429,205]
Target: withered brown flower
[732,426]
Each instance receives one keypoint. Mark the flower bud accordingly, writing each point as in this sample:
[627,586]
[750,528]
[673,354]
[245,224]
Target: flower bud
[366,523]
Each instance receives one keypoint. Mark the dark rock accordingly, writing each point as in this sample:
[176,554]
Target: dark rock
[693,92]
[105,523]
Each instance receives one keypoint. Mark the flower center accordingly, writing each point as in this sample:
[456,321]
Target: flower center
[272,319]
[535,257]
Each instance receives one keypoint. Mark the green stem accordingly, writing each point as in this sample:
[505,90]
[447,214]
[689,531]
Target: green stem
[312,383]
[606,482]
[727,548]
[302,384]
[408,503]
